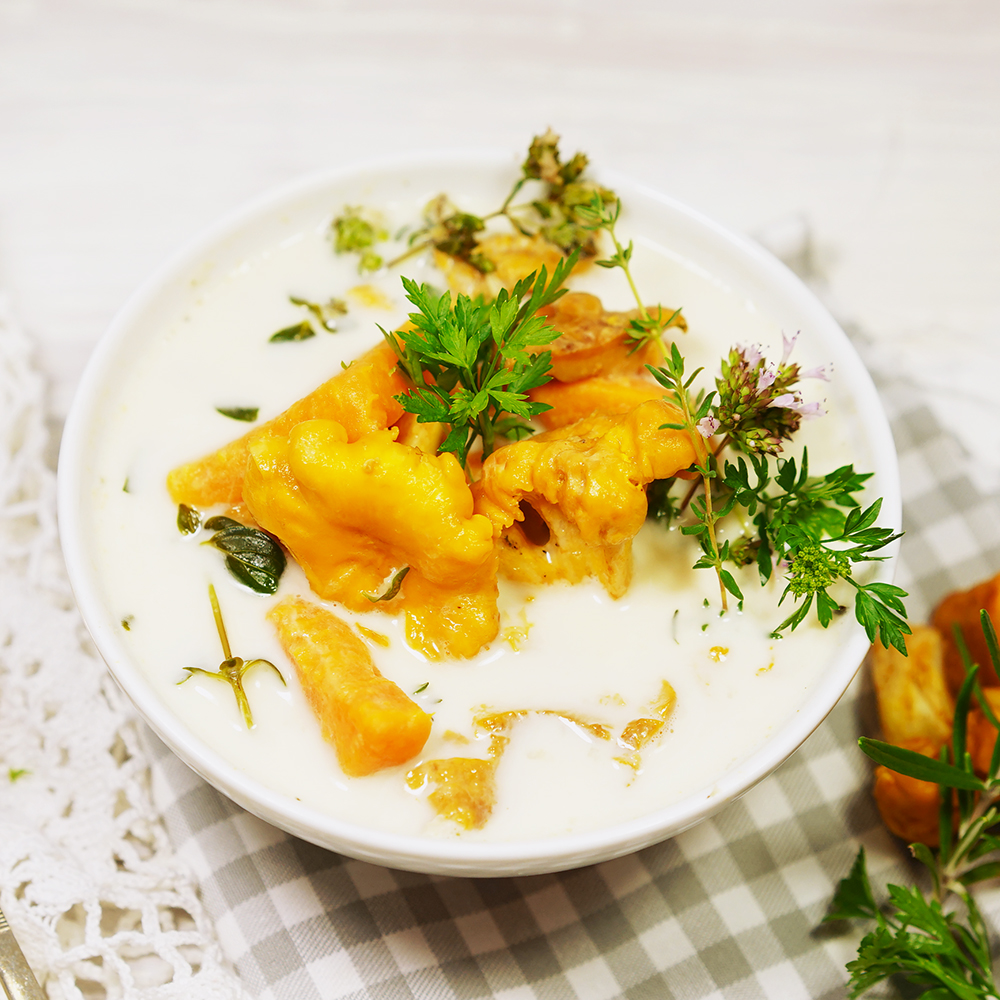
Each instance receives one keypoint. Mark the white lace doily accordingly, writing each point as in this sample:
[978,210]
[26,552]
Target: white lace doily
[101,907]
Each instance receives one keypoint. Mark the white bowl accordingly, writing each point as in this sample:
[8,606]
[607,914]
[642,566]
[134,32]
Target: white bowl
[735,263]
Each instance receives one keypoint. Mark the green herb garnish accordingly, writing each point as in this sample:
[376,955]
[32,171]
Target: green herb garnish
[480,359]
[928,939]
[188,519]
[16,773]
[233,668]
[248,414]
[252,555]
[799,524]
[322,315]
[353,232]
[393,589]
[126,622]
[647,327]
[297,331]
[558,213]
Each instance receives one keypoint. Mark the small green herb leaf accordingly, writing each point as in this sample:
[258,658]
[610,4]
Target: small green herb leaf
[918,765]
[423,687]
[252,556]
[233,668]
[248,414]
[393,589]
[298,331]
[16,773]
[188,519]
[127,623]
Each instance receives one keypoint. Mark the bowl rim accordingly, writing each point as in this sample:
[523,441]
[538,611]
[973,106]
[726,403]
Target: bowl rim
[452,856]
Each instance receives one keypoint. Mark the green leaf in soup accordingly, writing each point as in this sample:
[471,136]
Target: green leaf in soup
[188,519]
[298,331]
[253,557]
[248,414]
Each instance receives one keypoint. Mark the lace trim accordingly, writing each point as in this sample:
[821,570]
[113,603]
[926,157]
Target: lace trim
[101,906]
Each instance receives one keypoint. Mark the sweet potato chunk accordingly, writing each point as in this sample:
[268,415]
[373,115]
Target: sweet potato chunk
[595,341]
[962,608]
[566,504]
[352,513]
[913,699]
[360,398]
[367,718]
[612,395]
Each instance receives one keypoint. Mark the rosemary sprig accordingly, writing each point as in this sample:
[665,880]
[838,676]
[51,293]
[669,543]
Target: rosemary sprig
[233,668]
[926,939]
[478,358]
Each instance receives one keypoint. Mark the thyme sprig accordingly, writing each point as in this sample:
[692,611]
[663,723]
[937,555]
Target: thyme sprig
[671,376]
[646,327]
[926,938]
[558,213]
[471,363]
[233,669]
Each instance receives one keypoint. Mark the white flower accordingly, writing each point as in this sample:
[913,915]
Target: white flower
[767,377]
[820,372]
[789,343]
[707,426]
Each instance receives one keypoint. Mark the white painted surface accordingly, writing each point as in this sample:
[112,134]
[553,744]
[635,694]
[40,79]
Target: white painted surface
[127,126]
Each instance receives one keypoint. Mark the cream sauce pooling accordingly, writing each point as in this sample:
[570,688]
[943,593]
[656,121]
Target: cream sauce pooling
[571,649]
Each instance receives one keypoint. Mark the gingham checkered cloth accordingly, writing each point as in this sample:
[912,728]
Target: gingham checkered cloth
[729,909]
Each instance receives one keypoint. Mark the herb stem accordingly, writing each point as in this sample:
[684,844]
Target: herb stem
[219,623]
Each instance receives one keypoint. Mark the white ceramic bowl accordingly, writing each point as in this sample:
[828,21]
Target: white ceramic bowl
[734,262]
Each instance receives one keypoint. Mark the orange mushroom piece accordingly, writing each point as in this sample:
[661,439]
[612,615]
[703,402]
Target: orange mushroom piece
[353,513]
[369,720]
[595,341]
[360,398]
[566,503]
[613,395]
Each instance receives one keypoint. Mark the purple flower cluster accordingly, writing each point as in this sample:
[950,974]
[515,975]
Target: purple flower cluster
[759,405]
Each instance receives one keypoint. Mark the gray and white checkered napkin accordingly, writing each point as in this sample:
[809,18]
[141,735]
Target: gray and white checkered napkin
[730,909]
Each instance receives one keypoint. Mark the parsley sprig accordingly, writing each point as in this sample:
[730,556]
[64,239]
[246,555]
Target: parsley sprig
[816,527]
[472,363]
[921,937]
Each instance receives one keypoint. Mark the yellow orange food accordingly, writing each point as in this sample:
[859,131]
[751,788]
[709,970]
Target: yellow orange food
[354,512]
[464,787]
[596,341]
[962,608]
[566,503]
[606,394]
[360,398]
[909,807]
[913,699]
[369,720]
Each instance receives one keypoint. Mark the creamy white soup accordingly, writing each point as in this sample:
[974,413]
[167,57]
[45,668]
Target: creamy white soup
[569,650]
